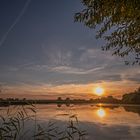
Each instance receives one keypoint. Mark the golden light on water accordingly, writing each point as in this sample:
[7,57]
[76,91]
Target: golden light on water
[101,113]
[99,91]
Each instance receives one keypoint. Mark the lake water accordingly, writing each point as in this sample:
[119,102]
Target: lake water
[101,122]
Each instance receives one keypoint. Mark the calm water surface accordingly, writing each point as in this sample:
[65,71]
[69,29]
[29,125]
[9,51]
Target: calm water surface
[102,122]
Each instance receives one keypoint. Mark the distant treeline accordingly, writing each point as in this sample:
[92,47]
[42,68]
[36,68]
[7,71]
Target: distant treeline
[129,98]
[132,98]
[59,100]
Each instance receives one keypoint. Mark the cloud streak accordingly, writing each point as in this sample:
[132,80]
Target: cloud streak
[73,70]
[15,22]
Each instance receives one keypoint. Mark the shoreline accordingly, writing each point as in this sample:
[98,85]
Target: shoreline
[9,103]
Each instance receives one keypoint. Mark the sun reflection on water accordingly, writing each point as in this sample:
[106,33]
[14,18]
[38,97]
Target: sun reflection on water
[101,113]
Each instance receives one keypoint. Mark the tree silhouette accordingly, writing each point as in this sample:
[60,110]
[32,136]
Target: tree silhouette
[0,88]
[59,99]
[133,97]
[118,22]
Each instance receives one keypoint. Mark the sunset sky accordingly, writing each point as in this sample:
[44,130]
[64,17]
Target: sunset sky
[45,54]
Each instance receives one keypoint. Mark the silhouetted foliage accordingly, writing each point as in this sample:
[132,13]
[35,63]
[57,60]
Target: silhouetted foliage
[0,88]
[13,126]
[67,99]
[118,22]
[133,97]
[108,99]
[59,99]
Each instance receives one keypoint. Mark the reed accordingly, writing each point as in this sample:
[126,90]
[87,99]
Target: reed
[13,126]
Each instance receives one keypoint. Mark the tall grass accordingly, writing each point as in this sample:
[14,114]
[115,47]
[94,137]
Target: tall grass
[13,126]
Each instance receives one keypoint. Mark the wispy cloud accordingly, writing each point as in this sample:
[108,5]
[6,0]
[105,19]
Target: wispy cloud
[73,70]
[56,54]
[133,77]
[96,55]
[38,67]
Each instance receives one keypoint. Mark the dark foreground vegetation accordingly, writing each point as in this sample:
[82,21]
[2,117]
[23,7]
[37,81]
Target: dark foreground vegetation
[117,23]
[20,123]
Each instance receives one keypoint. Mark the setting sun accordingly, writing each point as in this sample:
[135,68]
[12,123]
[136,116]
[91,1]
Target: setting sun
[99,91]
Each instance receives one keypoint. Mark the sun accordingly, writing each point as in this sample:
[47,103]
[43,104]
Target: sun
[99,91]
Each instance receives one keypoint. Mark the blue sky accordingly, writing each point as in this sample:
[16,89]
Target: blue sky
[41,47]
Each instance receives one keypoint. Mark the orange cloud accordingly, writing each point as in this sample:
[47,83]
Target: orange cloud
[68,90]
